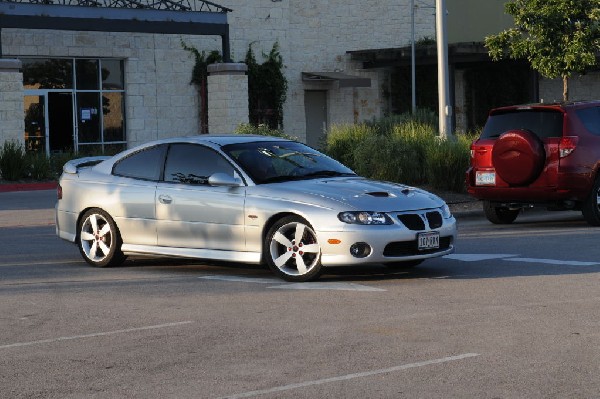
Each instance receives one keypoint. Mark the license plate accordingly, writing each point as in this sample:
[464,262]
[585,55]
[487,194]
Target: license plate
[485,178]
[429,240]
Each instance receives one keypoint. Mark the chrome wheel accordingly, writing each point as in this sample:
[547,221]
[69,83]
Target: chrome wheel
[293,251]
[99,240]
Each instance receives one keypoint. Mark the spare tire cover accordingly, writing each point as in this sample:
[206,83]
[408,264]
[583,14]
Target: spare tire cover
[518,157]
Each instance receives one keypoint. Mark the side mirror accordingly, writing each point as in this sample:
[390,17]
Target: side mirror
[223,179]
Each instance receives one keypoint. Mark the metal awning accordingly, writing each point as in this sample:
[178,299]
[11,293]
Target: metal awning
[194,17]
[343,79]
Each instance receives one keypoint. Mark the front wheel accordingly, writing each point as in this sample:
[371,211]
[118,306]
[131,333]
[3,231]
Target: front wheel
[499,215]
[292,251]
[99,240]
[591,206]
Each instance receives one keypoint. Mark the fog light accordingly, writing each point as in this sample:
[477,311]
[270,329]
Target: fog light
[360,250]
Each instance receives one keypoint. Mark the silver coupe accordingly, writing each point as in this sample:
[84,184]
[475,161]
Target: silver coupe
[243,198]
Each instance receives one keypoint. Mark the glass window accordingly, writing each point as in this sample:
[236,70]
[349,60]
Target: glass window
[145,164]
[88,116]
[277,161]
[87,74]
[543,123]
[112,74]
[113,109]
[41,73]
[194,164]
[590,117]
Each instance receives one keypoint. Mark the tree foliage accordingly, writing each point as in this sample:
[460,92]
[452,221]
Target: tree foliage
[557,37]
[267,88]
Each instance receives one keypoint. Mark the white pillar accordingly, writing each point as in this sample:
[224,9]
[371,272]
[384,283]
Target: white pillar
[444,107]
[227,97]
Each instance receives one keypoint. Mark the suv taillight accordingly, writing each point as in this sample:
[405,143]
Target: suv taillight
[567,145]
[59,192]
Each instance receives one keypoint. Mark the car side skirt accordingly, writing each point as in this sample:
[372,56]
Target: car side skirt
[233,256]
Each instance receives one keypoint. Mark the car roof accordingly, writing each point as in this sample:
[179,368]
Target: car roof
[557,105]
[218,139]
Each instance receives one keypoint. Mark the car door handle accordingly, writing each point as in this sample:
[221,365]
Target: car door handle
[165,199]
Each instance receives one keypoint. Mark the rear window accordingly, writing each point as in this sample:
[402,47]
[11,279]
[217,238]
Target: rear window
[590,117]
[543,123]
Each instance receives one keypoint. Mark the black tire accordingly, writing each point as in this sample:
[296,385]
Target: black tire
[499,215]
[286,257]
[99,240]
[591,206]
[407,264]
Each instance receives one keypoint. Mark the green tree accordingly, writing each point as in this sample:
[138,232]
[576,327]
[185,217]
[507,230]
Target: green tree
[557,37]
[267,88]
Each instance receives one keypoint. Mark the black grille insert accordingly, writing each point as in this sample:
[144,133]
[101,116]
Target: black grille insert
[434,219]
[412,221]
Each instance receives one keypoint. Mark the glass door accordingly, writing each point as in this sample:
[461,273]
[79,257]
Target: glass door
[36,123]
[49,122]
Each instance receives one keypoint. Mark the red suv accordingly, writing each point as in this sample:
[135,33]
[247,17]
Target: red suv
[538,154]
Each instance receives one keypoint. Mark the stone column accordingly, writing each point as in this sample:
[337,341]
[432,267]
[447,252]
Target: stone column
[227,97]
[12,123]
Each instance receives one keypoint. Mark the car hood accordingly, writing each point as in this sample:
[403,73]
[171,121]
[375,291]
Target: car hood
[354,193]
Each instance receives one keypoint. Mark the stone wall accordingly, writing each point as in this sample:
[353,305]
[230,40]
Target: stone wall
[12,124]
[585,87]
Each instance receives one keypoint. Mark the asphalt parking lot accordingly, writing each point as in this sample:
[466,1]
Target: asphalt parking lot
[513,313]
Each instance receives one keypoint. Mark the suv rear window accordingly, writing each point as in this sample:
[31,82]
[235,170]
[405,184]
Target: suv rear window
[543,123]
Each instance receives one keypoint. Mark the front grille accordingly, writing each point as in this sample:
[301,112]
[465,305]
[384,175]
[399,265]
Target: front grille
[415,221]
[412,221]
[408,248]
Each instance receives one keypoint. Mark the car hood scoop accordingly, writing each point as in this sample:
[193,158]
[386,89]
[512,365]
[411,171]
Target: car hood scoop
[380,194]
[360,193]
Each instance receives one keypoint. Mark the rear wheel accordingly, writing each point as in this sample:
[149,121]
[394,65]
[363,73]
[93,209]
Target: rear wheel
[292,251]
[591,206]
[99,240]
[498,214]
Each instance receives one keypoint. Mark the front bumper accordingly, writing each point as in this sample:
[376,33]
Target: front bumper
[390,243]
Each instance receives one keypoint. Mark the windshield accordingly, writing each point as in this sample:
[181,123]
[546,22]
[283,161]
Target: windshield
[277,161]
[543,123]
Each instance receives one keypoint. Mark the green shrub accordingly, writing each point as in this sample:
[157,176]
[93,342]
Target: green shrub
[39,166]
[58,160]
[262,130]
[342,140]
[447,162]
[13,165]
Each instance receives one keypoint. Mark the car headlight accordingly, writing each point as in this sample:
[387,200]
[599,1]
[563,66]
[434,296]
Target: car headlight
[445,211]
[364,217]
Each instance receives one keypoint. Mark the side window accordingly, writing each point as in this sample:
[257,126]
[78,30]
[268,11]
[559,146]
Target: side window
[145,164]
[590,117]
[194,164]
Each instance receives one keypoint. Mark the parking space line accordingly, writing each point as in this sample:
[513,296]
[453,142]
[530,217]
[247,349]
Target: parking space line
[100,334]
[553,261]
[350,376]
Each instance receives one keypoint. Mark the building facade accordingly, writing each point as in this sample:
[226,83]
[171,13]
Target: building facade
[91,91]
